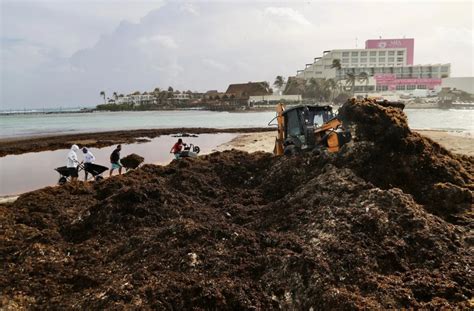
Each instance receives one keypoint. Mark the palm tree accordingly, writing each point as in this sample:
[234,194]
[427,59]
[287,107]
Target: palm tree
[336,63]
[350,82]
[331,85]
[114,95]
[364,77]
[279,81]
[102,93]
[313,88]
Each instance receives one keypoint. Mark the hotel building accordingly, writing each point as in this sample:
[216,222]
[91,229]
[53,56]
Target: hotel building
[388,63]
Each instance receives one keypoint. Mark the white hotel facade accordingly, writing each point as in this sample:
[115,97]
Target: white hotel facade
[388,64]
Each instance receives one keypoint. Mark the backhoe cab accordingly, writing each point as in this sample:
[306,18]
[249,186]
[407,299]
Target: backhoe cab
[308,127]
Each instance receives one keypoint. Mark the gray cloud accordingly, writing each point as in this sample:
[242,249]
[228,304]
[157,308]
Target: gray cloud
[202,45]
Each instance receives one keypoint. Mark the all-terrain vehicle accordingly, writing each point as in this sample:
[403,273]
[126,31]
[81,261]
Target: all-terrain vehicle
[308,127]
[189,151]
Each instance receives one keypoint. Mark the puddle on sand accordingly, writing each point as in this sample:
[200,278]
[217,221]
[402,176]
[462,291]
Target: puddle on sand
[30,171]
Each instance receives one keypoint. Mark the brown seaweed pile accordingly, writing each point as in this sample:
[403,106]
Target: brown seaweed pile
[385,223]
[132,161]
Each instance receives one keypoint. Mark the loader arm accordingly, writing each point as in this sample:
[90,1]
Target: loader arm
[278,149]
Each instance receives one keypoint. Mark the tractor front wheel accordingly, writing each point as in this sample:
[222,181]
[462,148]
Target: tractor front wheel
[291,150]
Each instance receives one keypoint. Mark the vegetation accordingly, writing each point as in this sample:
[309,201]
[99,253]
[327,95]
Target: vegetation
[279,81]
[336,63]
[102,93]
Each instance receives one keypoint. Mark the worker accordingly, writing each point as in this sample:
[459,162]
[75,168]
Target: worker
[73,163]
[89,158]
[176,149]
[115,161]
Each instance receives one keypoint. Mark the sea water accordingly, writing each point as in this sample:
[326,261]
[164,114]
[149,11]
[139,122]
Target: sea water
[44,124]
[30,171]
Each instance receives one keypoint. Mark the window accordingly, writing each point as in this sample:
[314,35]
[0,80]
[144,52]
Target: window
[391,53]
[381,59]
[373,59]
[354,54]
[400,53]
[363,60]
[358,88]
[411,87]
[382,88]
[354,60]
[369,88]
[399,59]
[444,69]
[421,87]
[391,59]
[382,53]
[293,128]
[363,53]
[345,54]
[373,53]
[397,70]
[400,87]
[345,60]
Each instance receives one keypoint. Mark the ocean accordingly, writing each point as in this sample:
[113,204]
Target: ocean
[26,172]
[17,125]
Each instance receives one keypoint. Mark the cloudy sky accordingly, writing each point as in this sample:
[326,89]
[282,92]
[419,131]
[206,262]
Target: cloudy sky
[64,52]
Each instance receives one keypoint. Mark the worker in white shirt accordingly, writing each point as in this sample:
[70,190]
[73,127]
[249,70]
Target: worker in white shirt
[72,162]
[88,159]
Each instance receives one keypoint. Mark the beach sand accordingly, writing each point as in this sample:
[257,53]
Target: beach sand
[264,141]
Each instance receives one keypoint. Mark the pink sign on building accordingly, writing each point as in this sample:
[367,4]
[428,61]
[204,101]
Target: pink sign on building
[409,44]
[391,81]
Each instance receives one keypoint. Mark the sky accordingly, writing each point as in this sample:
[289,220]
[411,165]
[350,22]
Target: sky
[63,53]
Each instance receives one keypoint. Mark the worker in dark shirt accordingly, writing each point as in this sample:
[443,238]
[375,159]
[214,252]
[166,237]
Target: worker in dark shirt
[176,149]
[115,161]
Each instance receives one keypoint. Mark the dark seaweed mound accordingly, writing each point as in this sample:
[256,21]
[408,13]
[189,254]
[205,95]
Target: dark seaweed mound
[385,223]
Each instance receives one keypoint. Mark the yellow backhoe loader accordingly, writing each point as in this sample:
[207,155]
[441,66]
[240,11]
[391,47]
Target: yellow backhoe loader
[308,127]
[312,127]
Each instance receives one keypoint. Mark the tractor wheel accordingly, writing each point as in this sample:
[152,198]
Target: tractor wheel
[62,180]
[291,150]
[98,178]
[196,149]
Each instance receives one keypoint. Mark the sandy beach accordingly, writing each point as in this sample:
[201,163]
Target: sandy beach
[264,141]
[393,210]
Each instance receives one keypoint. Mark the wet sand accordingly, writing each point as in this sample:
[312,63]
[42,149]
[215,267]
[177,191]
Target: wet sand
[265,141]
[20,145]
[34,170]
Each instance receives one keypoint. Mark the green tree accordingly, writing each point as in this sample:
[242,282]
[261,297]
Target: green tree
[364,78]
[312,89]
[102,93]
[331,86]
[336,63]
[115,96]
[350,81]
[279,81]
